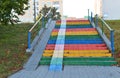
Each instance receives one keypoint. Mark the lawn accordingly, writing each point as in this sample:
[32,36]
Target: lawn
[13,44]
[114,24]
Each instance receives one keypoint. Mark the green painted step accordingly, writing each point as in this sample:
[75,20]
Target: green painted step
[83,58]
[78,36]
[99,63]
[90,59]
[45,62]
[103,61]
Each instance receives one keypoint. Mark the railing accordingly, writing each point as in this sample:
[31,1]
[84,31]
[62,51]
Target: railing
[100,23]
[34,30]
[90,16]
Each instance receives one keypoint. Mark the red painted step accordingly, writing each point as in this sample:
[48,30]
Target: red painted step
[79,48]
[79,45]
[77,20]
[58,21]
[85,48]
[55,30]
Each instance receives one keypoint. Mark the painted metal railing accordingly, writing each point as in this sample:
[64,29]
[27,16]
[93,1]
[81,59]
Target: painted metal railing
[41,21]
[90,16]
[31,29]
[97,20]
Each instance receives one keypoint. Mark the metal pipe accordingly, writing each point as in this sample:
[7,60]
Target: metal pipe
[29,40]
[112,40]
[42,22]
[35,24]
[96,20]
[88,14]
[91,16]
[106,24]
[34,11]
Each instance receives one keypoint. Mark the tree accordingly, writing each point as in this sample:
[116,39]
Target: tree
[10,9]
[53,13]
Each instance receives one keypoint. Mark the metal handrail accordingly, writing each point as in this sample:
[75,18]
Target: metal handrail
[90,18]
[110,29]
[39,20]
[29,33]
[105,24]
[36,23]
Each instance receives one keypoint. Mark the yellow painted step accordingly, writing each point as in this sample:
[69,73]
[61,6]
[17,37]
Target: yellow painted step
[88,55]
[81,33]
[81,55]
[78,33]
[54,34]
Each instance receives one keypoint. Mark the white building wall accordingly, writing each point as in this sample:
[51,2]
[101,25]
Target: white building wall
[111,9]
[28,16]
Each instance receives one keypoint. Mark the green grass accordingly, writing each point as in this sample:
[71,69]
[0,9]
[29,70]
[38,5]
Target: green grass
[114,24]
[13,43]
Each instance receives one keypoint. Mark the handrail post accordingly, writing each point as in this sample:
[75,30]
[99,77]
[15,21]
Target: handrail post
[112,40]
[91,16]
[29,40]
[102,28]
[88,14]
[96,20]
[43,21]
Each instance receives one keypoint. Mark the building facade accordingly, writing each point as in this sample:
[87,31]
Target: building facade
[36,6]
[98,7]
[111,10]
[52,3]
[28,17]
[104,8]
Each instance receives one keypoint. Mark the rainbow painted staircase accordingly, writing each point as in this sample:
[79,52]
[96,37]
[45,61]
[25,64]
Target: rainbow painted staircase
[75,42]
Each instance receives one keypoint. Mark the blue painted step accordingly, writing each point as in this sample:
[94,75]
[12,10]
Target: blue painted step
[76,42]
